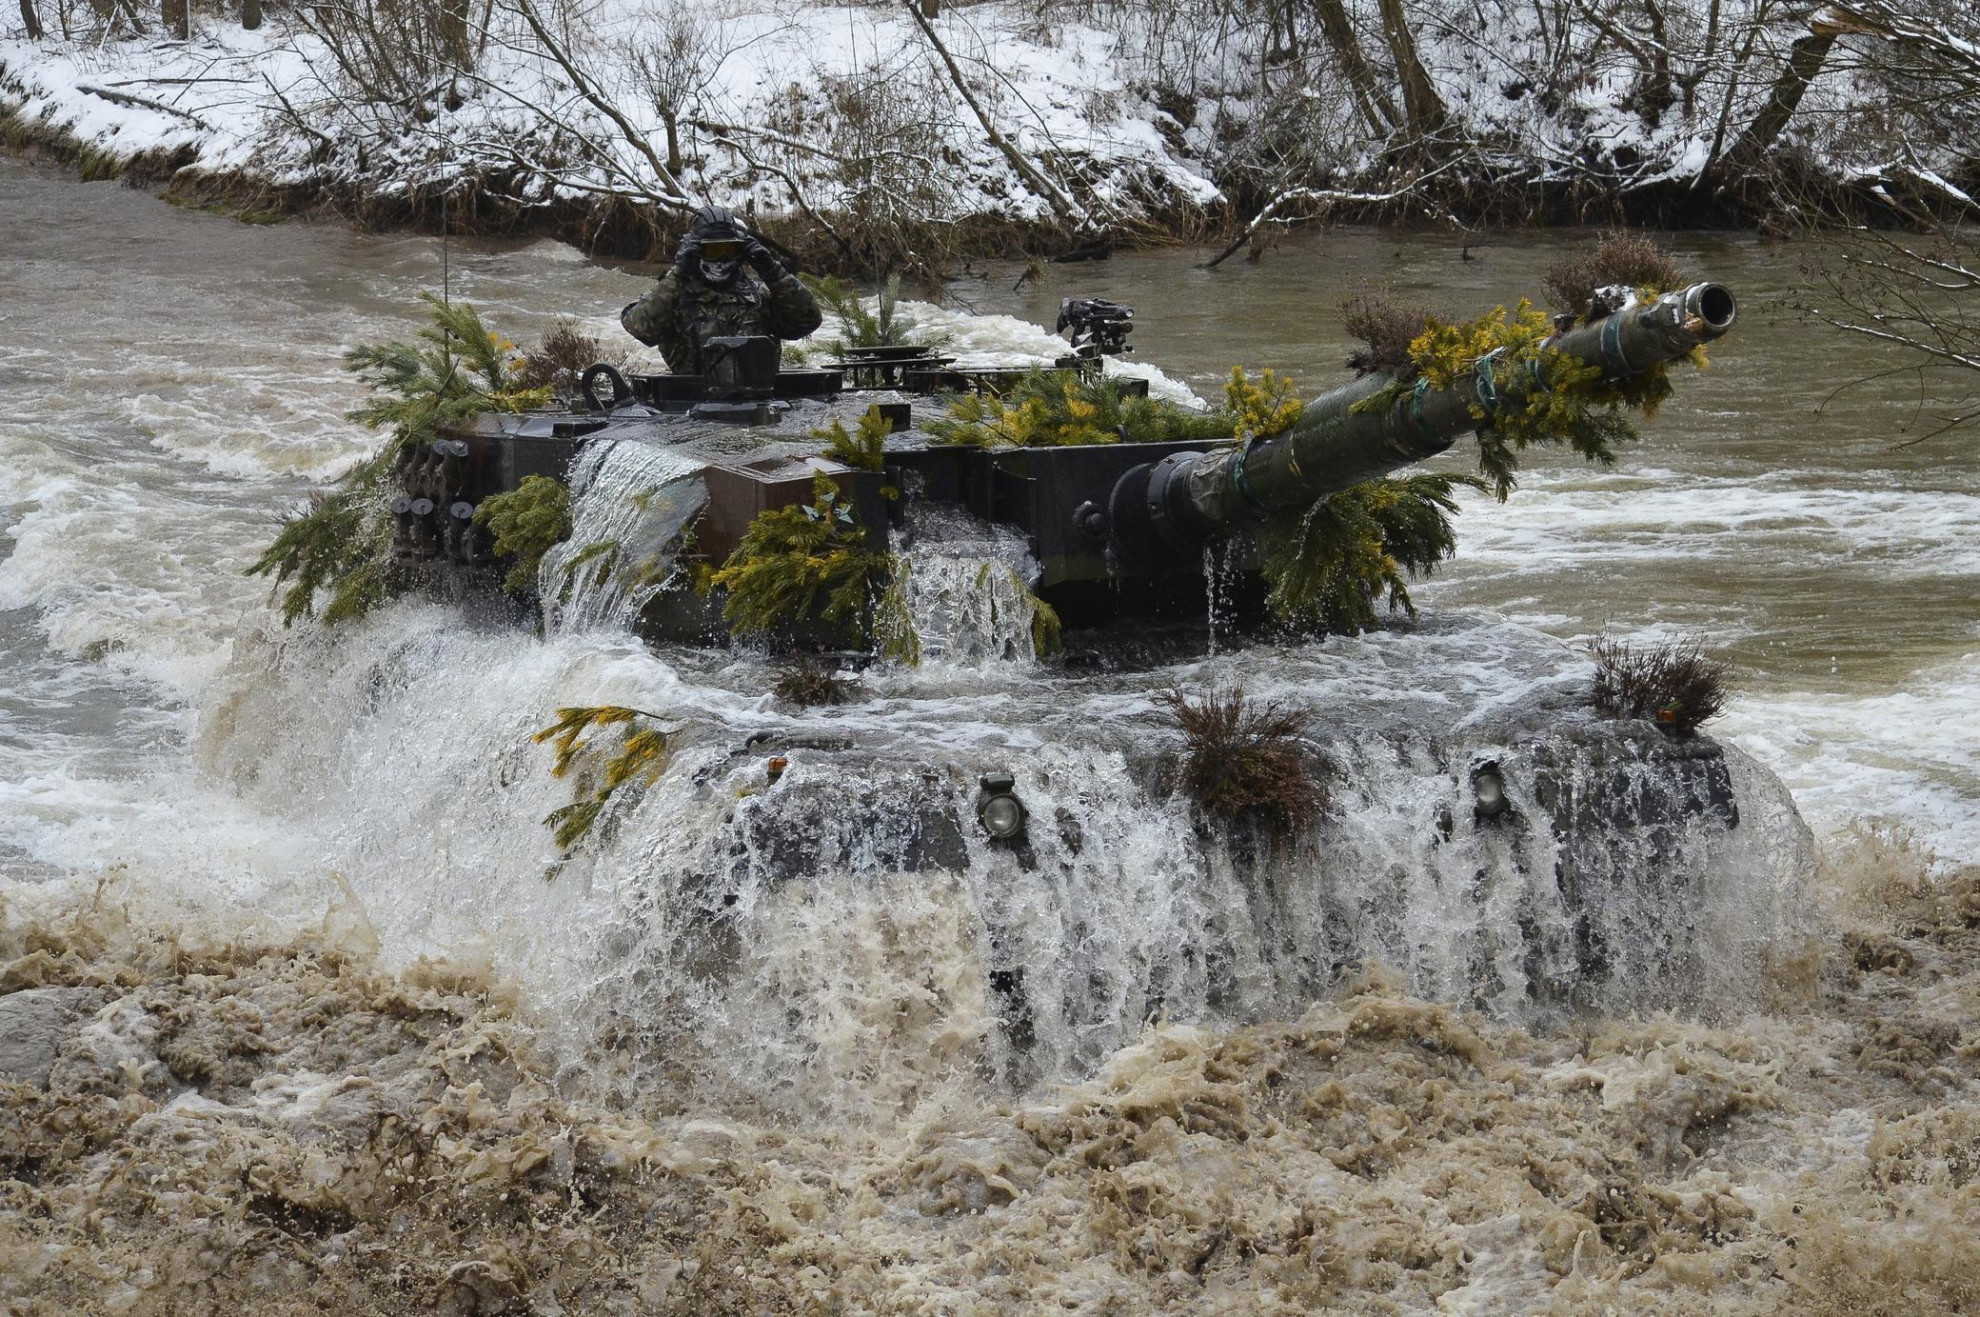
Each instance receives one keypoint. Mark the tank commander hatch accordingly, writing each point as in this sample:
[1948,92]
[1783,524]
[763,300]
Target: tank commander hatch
[708,295]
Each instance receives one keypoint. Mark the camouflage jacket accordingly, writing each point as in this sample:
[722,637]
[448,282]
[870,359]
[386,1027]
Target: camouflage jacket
[683,311]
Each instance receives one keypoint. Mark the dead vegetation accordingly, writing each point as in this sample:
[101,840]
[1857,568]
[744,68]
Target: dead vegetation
[809,682]
[560,357]
[1242,759]
[1385,327]
[1623,257]
[1672,683]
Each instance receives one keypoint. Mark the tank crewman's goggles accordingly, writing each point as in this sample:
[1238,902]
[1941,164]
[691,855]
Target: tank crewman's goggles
[723,249]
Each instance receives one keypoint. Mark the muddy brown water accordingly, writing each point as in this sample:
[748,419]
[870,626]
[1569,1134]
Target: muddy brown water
[172,382]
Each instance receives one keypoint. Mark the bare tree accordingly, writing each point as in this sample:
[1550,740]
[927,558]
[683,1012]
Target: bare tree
[675,53]
[31,21]
[1068,211]
[1921,299]
[1374,106]
[1804,62]
[1421,102]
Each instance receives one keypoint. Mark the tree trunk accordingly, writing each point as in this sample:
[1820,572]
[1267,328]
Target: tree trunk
[1376,112]
[250,14]
[1420,100]
[1068,211]
[1804,61]
[1655,93]
[673,126]
[177,16]
[32,20]
[454,34]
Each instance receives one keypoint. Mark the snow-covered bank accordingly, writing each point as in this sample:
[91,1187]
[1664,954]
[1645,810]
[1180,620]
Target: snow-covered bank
[777,98]
[871,135]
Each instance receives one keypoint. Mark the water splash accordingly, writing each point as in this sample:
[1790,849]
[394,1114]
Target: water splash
[730,938]
[630,503]
[968,587]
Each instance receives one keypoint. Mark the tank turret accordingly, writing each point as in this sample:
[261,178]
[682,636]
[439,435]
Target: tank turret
[1116,529]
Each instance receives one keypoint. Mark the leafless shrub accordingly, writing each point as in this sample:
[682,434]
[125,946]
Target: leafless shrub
[1920,296]
[875,142]
[808,682]
[1242,760]
[673,54]
[1673,683]
[1619,256]
[1385,328]
[560,357]
[399,53]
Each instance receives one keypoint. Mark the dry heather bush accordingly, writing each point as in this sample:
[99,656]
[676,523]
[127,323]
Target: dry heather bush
[1635,260]
[1385,328]
[807,682]
[1673,684]
[1242,760]
[560,357]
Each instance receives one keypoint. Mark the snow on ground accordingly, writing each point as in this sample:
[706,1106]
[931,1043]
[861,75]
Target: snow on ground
[254,101]
[779,105]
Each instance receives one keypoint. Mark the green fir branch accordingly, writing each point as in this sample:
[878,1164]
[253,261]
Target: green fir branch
[792,557]
[456,368]
[527,522]
[644,752]
[863,448]
[1354,548]
[1051,409]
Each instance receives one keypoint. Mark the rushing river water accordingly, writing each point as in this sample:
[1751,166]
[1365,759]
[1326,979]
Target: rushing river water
[172,384]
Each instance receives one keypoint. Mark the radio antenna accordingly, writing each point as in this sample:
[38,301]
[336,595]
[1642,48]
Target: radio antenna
[446,281]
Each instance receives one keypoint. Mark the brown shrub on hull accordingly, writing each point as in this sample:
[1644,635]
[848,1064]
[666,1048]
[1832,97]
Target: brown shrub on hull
[808,682]
[560,357]
[1619,256]
[1385,327]
[1242,760]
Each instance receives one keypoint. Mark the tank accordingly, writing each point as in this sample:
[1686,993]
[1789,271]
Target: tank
[1605,859]
[1117,530]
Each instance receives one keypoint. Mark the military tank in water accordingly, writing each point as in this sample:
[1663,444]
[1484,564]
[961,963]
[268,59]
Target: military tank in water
[1599,855]
[1117,529]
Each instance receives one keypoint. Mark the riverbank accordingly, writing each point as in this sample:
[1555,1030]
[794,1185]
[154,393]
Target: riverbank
[870,138]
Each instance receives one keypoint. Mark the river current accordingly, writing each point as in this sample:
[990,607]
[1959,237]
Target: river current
[172,386]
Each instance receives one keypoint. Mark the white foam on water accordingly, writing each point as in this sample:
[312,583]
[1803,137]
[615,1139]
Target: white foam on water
[1568,518]
[1912,754]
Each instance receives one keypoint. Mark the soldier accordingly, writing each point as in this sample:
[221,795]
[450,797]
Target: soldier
[706,295]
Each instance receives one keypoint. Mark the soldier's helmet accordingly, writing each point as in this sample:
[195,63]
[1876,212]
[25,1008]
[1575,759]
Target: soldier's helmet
[714,244]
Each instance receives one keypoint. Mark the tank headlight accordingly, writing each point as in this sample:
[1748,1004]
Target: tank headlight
[1488,790]
[998,809]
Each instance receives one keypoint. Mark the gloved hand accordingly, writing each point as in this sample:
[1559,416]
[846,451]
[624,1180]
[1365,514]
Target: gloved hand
[686,252]
[762,260]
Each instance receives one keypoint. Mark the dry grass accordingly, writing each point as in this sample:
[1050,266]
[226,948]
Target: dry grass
[1619,256]
[1242,759]
[1672,684]
[1385,327]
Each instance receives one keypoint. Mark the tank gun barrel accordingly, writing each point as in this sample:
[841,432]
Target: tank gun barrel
[1177,502]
